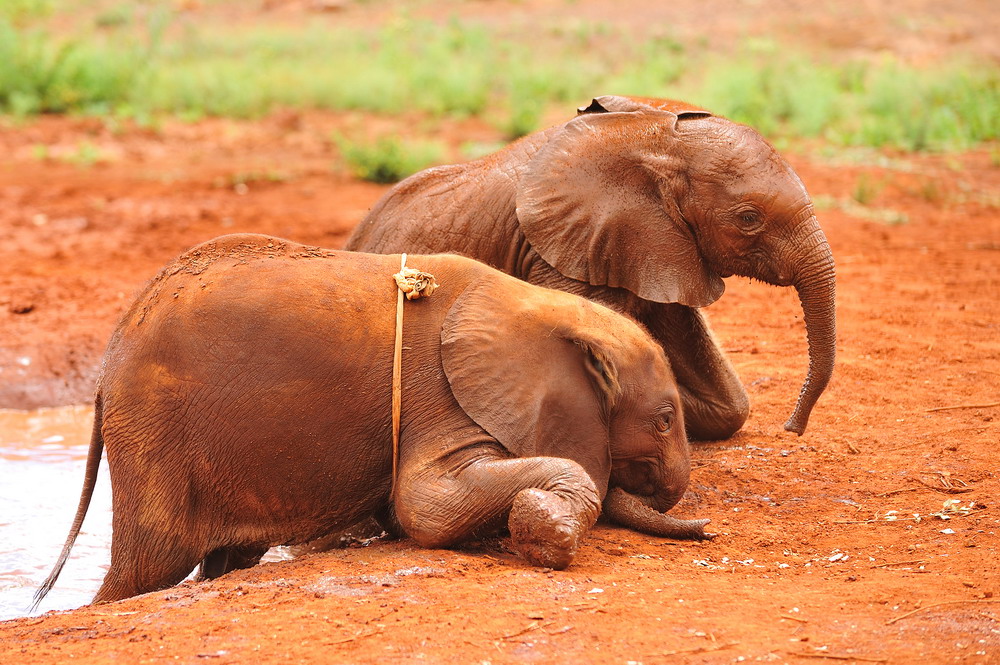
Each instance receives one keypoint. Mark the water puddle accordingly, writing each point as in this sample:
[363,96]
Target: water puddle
[42,462]
[42,459]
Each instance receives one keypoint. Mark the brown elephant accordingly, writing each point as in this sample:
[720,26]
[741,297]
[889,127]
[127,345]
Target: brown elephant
[244,402]
[643,205]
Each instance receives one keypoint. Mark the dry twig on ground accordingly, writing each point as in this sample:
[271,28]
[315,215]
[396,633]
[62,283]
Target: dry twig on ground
[947,602]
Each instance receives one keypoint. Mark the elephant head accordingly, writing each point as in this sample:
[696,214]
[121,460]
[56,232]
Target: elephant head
[664,200]
[612,406]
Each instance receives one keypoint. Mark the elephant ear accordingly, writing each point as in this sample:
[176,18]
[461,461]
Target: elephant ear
[532,367]
[617,103]
[598,202]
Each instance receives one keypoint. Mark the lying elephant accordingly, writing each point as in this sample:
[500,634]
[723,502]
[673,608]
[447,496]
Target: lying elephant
[245,403]
[643,205]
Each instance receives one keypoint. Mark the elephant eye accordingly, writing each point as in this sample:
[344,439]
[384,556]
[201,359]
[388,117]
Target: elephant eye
[665,422]
[750,218]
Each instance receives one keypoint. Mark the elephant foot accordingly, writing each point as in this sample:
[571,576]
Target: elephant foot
[544,529]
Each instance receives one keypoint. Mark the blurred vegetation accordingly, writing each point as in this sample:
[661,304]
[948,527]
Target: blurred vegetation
[880,103]
[389,159]
[140,60]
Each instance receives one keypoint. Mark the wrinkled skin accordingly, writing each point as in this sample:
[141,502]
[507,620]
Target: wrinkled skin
[245,403]
[642,205]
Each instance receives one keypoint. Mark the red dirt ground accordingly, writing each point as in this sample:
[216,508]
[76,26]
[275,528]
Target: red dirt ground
[808,564]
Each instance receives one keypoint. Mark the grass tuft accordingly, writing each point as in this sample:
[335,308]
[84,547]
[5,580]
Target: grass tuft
[388,159]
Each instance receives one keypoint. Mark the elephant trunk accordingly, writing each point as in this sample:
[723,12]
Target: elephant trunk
[634,512]
[816,286]
[646,513]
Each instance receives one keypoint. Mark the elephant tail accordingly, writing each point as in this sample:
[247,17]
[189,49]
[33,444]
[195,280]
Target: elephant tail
[89,481]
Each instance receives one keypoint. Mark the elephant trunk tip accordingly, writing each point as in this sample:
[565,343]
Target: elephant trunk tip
[796,424]
[799,419]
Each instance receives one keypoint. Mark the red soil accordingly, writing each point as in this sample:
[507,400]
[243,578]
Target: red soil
[807,566]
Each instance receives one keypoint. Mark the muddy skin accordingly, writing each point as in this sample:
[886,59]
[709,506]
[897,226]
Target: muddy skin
[543,529]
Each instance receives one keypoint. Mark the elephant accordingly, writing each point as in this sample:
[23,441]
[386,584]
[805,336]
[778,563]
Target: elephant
[643,205]
[244,402]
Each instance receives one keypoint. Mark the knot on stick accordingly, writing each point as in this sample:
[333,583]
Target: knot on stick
[415,283]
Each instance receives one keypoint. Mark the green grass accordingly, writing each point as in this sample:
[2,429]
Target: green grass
[878,104]
[143,63]
[40,75]
[22,11]
[388,159]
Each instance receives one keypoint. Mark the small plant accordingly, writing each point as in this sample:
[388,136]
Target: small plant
[865,190]
[115,17]
[931,192]
[388,159]
[476,149]
[86,155]
[526,102]
[248,177]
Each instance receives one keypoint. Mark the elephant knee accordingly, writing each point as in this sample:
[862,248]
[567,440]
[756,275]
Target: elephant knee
[717,421]
[431,537]
[431,519]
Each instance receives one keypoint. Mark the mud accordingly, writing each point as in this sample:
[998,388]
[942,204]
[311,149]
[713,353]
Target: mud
[833,545]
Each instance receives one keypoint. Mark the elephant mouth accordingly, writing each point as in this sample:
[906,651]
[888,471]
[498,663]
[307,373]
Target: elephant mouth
[635,476]
[647,481]
[761,270]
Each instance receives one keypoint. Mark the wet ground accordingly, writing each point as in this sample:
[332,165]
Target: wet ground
[873,538]
[41,454]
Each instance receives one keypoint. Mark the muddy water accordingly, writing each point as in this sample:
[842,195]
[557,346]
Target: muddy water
[42,458]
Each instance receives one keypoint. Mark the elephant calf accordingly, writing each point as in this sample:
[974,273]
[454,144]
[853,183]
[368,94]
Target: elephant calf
[643,205]
[245,402]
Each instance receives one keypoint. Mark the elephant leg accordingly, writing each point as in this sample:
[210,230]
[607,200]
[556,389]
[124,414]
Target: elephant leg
[140,565]
[387,520]
[715,402]
[227,559]
[548,503]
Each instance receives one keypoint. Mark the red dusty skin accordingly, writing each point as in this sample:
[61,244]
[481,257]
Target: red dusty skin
[628,510]
[544,529]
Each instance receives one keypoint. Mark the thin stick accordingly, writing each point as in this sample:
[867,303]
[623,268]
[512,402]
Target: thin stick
[714,647]
[898,563]
[923,440]
[397,364]
[785,616]
[876,520]
[381,616]
[947,602]
[963,406]
[534,626]
[943,490]
[834,656]
[564,629]
[899,491]
[356,636]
